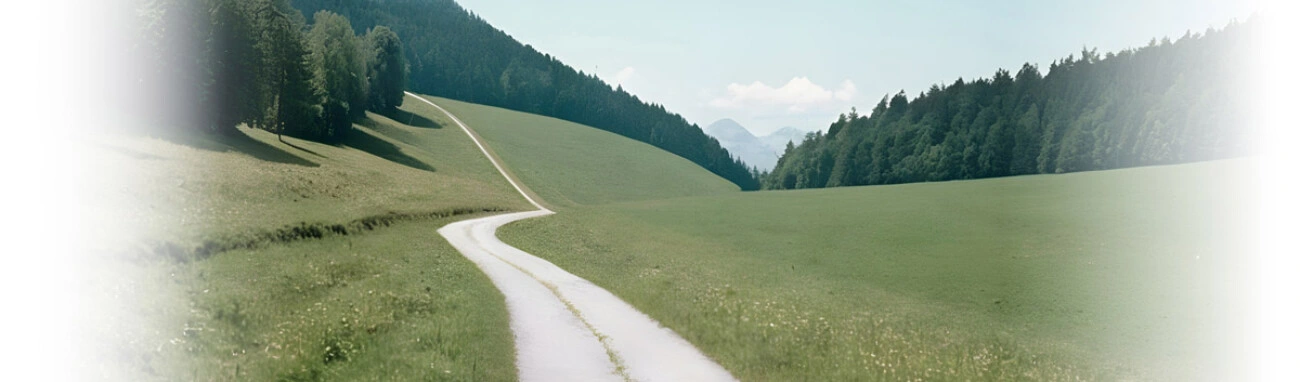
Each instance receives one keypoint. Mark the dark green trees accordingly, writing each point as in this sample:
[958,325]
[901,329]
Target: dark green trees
[1165,103]
[232,60]
[338,74]
[387,71]
[250,62]
[287,100]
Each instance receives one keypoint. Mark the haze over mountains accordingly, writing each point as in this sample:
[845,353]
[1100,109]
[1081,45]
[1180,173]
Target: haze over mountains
[761,152]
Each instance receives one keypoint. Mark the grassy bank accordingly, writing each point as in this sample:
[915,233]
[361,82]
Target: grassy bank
[1128,274]
[249,257]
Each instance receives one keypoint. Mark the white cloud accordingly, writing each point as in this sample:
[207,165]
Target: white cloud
[797,96]
[847,91]
[623,75]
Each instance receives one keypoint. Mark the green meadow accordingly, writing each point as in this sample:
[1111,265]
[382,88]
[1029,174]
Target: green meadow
[249,257]
[1114,275]
[262,259]
[568,164]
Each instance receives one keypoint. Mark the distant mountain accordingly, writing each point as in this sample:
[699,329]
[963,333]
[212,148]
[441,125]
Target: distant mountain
[779,138]
[761,152]
[729,130]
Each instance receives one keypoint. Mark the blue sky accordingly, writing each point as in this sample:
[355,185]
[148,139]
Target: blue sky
[769,64]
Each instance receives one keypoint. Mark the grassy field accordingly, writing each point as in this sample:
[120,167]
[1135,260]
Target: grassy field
[1129,274]
[193,187]
[249,258]
[568,164]
[1117,275]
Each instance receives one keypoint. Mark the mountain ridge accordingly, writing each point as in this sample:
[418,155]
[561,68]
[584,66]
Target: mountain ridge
[761,152]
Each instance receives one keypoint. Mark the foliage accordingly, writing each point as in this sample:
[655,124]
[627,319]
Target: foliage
[456,54]
[1171,102]
[387,71]
[233,59]
[338,72]
[288,100]
[231,62]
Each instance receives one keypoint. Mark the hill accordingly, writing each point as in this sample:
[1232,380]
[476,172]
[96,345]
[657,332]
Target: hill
[1135,274]
[247,257]
[455,54]
[1165,103]
[569,165]
[294,258]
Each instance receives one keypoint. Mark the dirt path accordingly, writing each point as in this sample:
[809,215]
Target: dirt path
[565,327]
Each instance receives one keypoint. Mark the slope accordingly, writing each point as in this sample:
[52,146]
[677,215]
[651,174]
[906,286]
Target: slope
[456,54]
[561,322]
[248,257]
[1113,275]
[570,165]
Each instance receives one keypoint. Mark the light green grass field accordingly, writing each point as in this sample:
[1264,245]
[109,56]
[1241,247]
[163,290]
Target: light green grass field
[194,186]
[568,164]
[393,303]
[1128,274]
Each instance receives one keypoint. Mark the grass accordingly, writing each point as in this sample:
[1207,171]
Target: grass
[569,165]
[250,258]
[190,187]
[397,304]
[1117,275]
[1128,274]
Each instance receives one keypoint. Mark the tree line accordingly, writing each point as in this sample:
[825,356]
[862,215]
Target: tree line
[1168,102]
[258,62]
[456,54]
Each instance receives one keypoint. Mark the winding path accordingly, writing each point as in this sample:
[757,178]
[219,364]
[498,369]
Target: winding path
[565,327]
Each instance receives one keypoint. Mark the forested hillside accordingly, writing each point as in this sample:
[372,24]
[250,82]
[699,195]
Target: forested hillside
[1168,102]
[455,54]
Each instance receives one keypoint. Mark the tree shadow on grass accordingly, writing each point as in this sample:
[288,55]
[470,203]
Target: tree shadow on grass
[304,149]
[362,140]
[388,130]
[237,141]
[411,119]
